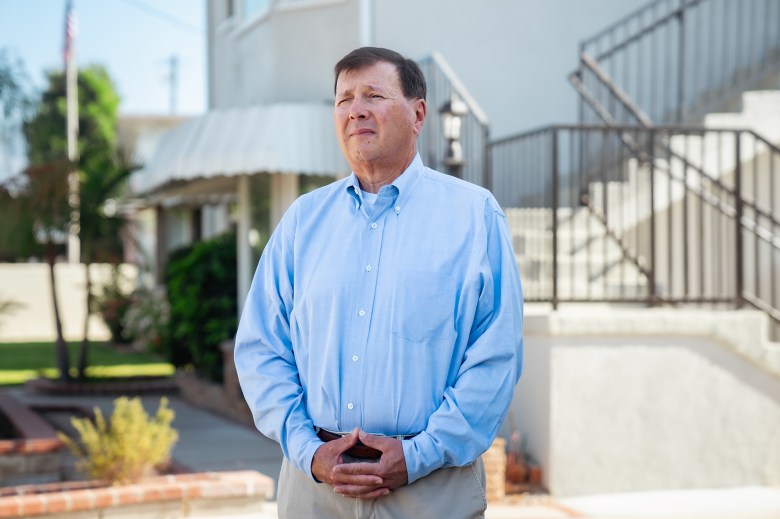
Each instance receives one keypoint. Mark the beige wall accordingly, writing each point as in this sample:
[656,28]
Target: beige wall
[28,284]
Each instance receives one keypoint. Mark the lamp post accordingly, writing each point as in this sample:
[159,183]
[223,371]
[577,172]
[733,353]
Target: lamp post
[452,112]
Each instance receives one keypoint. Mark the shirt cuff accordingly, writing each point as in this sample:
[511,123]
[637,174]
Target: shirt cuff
[421,457]
[308,457]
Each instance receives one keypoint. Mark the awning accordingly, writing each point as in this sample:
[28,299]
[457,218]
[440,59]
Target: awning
[293,138]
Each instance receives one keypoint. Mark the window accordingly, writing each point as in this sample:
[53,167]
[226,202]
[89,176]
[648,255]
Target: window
[288,5]
[254,8]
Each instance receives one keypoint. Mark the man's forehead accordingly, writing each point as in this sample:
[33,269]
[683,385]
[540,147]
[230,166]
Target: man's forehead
[381,74]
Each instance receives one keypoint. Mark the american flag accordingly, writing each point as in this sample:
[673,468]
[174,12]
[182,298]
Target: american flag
[70,33]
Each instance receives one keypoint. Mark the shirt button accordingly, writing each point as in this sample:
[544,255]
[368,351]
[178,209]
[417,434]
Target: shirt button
[361,313]
[398,209]
[354,358]
[368,268]
[350,405]
[373,225]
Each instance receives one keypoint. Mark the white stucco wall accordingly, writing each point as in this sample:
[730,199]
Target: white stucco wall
[671,405]
[513,55]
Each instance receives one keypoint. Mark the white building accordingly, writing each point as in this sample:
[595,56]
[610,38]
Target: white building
[615,397]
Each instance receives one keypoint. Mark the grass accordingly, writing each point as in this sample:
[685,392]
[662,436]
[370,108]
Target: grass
[21,361]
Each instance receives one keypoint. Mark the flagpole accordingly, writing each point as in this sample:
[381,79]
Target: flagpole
[71,88]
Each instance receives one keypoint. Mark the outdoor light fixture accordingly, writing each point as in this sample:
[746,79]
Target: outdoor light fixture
[452,112]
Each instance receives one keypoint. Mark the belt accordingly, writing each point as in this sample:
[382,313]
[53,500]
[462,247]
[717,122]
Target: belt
[359,450]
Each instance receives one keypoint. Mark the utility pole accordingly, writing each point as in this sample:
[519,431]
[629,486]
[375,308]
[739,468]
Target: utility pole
[72,129]
[173,78]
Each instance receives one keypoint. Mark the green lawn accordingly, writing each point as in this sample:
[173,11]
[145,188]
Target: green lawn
[22,361]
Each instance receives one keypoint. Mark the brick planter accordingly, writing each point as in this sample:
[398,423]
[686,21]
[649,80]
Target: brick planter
[34,453]
[169,496]
[495,470]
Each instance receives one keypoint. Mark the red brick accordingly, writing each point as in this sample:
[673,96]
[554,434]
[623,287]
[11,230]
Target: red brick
[57,503]
[9,507]
[129,495]
[190,490]
[81,499]
[104,498]
[31,505]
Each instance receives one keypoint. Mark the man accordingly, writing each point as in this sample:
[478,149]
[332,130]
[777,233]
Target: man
[381,339]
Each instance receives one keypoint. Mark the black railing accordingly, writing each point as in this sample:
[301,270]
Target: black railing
[681,59]
[474,132]
[653,215]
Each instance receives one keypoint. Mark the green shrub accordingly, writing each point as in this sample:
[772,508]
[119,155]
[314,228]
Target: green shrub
[128,446]
[201,285]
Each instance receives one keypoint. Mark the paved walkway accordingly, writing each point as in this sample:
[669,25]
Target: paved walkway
[208,442]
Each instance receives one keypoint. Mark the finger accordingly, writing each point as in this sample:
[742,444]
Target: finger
[377,442]
[356,479]
[360,491]
[347,441]
[355,468]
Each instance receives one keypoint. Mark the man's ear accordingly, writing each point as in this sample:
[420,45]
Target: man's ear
[420,111]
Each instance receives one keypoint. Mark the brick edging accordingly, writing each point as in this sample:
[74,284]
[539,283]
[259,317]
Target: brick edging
[203,486]
[140,385]
[35,435]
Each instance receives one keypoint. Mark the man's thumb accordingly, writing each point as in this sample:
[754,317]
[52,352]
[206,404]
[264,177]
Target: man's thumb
[369,439]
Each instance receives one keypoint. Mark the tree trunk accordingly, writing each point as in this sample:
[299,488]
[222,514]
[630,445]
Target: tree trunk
[84,348]
[61,348]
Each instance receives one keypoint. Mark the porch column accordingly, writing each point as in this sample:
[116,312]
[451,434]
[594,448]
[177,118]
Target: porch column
[284,191]
[242,237]
[161,244]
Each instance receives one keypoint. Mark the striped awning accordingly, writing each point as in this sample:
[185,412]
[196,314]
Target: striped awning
[291,138]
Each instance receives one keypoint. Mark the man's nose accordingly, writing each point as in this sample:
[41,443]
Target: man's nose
[358,109]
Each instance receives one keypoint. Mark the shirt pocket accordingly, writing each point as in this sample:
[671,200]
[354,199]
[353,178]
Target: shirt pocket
[426,307]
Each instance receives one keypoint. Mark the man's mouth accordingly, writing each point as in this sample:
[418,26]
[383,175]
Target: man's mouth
[361,131]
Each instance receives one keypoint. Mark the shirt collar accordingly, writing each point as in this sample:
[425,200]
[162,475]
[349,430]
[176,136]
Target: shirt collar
[401,187]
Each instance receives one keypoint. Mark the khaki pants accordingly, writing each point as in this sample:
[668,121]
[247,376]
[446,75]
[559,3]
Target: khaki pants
[447,493]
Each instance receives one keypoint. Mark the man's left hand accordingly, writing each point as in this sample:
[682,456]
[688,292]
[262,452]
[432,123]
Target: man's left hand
[391,467]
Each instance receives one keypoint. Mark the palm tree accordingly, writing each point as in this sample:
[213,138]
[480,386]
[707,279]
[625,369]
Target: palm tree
[100,175]
[45,195]
[101,234]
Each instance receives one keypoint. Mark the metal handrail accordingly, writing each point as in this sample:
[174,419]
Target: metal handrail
[680,59]
[475,128]
[643,120]
[728,230]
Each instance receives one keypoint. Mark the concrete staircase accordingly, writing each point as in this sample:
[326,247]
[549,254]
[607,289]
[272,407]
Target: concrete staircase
[591,265]
[713,153]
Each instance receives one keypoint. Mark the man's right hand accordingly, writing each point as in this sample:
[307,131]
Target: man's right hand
[329,454]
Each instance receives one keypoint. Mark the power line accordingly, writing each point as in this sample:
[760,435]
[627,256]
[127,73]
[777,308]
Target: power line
[151,10]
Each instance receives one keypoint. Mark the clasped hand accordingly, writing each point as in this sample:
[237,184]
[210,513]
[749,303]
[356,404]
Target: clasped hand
[364,480]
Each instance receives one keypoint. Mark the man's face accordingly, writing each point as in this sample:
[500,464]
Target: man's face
[375,123]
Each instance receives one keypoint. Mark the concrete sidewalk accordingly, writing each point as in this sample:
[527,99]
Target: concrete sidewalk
[208,442]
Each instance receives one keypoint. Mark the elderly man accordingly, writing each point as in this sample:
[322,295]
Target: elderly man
[381,339]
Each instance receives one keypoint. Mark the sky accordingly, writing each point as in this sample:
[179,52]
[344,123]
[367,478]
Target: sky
[133,39]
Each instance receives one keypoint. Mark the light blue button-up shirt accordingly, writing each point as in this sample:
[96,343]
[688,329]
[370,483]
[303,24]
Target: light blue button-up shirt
[401,319]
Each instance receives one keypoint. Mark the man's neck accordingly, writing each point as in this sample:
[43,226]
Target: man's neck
[372,175]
